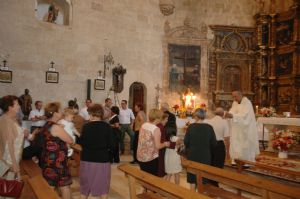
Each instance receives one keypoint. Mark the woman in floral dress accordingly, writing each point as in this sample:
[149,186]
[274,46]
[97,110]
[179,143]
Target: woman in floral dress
[54,151]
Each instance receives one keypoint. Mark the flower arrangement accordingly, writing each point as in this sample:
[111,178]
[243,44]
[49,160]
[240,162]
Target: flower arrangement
[284,140]
[201,106]
[267,112]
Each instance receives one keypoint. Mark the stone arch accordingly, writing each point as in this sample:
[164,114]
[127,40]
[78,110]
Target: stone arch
[137,94]
[64,8]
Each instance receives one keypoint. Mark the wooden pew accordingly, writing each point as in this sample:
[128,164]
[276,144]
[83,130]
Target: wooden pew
[160,188]
[241,163]
[257,186]
[74,163]
[35,186]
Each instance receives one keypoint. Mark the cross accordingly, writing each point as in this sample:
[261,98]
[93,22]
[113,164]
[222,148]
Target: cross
[4,63]
[100,72]
[158,89]
[52,64]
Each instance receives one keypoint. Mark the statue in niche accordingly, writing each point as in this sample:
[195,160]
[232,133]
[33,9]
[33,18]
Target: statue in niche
[118,78]
[52,13]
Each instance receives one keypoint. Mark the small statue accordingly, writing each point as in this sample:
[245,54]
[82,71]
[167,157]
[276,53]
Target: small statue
[52,13]
[26,102]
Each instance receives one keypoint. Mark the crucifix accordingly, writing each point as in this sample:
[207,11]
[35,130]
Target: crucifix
[157,97]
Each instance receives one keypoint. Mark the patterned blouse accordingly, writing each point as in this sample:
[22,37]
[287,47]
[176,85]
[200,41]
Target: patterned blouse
[146,150]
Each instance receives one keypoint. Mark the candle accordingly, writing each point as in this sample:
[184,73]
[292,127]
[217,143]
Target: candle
[256,109]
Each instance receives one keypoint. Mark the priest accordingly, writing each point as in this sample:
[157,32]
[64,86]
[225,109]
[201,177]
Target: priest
[244,137]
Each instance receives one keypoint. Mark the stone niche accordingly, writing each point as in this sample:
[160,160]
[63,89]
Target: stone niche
[54,11]
[185,36]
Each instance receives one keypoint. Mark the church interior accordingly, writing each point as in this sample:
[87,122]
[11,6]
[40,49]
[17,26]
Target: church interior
[188,54]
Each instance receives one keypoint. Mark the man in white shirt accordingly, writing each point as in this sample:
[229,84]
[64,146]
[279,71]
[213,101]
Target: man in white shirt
[37,116]
[126,119]
[221,129]
[83,112]
[244,137]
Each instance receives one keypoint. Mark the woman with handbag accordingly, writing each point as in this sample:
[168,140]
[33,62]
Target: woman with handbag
[11,142]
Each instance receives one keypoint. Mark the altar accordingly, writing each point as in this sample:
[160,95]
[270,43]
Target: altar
[275,121]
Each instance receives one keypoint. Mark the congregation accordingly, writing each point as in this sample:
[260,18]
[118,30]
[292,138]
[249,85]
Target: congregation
[100,130]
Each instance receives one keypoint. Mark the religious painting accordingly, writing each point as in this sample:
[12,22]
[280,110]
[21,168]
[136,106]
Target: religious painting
[284,64]
[5,76]
[284,95]
[184,68]
[52,77]
[99,84]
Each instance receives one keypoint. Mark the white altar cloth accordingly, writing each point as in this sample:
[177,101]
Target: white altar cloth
[279,121]
[180,123]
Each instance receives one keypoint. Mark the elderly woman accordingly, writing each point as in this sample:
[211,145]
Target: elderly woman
[54,157]
[199,141]
[97,143]
[149,143]
[11,138]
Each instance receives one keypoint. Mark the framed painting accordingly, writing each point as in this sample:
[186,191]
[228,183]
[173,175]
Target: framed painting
[5,76]
[52,77]
[99,84]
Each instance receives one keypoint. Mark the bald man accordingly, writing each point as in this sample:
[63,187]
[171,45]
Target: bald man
[221,129]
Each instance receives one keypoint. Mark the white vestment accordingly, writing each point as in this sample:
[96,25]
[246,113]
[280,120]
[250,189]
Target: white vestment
[244,136]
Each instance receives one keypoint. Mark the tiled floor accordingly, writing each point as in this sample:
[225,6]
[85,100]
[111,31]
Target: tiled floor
[119,185]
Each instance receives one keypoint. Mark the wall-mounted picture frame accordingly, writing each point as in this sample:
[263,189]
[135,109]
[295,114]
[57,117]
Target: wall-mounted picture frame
[99,84]
[6,76]
[52,77]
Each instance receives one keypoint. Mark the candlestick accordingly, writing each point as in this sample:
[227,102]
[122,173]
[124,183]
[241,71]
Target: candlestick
[256,109]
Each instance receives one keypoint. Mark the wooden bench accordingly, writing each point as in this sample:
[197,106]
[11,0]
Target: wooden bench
[257,186]
[160,188]
[35,186]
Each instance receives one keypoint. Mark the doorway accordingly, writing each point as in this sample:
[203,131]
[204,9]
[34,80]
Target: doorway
[137,94]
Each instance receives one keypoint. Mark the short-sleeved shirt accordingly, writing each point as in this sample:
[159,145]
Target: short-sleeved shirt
[125,116]
[146,150]
[220,126]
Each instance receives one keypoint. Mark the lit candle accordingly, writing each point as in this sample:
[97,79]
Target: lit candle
[256,109]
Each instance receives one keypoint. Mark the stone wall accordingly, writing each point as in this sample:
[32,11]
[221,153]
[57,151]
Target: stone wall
[133,30]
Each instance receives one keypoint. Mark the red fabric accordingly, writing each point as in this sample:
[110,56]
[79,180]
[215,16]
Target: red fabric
[11,188]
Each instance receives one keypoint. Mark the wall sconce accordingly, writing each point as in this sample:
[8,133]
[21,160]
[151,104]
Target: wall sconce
[108,61]
[4,67]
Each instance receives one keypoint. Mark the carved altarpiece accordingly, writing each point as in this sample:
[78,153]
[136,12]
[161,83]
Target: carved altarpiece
[278,65]
[231,63]
[194,40]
